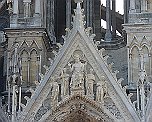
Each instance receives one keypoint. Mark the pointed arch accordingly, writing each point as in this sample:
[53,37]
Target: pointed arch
[135,63]
[145,52]
[25,66]
[133,46]
[12,48]
[134,41]
[144,41]
[23,46]
[145,46]
[34,66]
[34,45]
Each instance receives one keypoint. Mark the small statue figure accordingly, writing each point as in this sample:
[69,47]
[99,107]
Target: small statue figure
[89,83]
[105,87]
[77,69]
[142,76]
[99,92]
[55,93]
[64,83]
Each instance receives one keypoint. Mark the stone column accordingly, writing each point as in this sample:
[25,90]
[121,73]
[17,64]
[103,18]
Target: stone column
[27,8]
[143,5]
[15,7]
[14,99]
[138,6]
[37,7]
[126,10]
[87,13]
[68,13]
[108,36]
[37,13]
[91,13]
[138,98]
[113,18]
[132,6]
[14,17]
[96,18]
[51,19]
[20,98]
[28,72]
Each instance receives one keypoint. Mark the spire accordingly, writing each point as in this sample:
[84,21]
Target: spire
[78,19]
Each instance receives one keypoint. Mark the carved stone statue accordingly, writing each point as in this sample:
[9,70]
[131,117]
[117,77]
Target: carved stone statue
[99,92]
[64,83]
[55,93]
[77,69]
[105,89]
[142,76]
[89,83]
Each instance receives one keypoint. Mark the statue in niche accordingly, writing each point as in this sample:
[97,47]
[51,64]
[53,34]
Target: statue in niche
[55,93]
[101,89]
[64,83]
[77,70]
[99,92]
[89,83]
[105,89]
[142,76]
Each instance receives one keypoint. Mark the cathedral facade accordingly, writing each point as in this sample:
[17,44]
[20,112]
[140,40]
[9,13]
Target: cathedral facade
[60,65]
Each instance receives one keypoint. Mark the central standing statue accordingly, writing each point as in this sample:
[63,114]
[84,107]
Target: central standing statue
[77,72]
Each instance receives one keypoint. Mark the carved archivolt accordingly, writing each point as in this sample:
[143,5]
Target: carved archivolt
[79,107]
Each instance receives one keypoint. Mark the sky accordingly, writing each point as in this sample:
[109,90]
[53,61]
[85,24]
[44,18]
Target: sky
[119,7]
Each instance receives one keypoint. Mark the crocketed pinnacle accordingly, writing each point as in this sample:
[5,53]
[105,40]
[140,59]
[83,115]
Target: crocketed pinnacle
[78,19]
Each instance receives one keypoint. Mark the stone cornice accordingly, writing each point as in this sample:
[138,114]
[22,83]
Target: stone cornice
[29,32]
[140,27]
[24,32]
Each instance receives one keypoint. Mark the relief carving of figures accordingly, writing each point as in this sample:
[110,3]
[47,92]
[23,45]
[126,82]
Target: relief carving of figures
[64,83]
[89,83]
[77,70]
[55,93]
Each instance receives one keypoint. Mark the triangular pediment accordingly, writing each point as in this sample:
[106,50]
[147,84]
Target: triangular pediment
[79,68]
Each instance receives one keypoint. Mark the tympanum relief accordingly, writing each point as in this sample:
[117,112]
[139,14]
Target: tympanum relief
[78,77]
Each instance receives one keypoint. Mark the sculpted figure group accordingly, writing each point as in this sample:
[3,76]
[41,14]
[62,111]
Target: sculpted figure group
[76,77]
